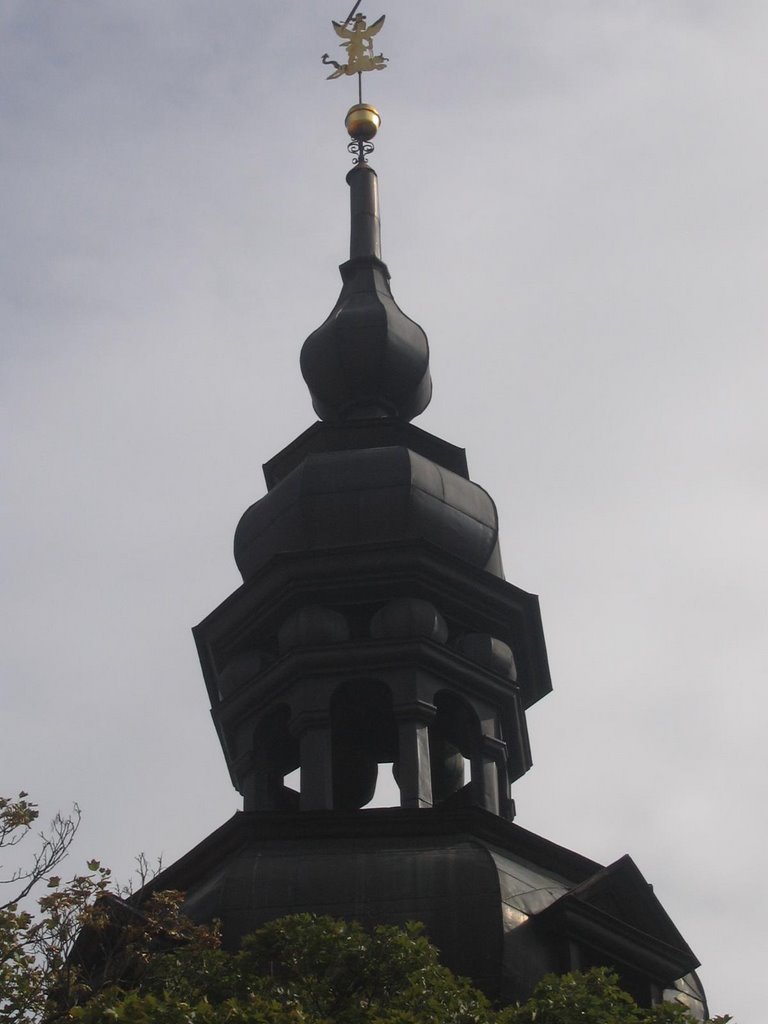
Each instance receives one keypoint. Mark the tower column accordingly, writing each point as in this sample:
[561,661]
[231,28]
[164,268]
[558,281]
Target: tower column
[313,730]
[258,791]
[488,770]
[414,776]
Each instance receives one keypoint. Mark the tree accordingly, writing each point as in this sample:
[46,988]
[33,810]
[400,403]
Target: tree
[42,974]
[592,997]
[301,969]
[33,950]
[317,970]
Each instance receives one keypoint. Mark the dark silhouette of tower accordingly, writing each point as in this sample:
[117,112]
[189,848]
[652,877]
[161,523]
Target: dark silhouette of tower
[374,626]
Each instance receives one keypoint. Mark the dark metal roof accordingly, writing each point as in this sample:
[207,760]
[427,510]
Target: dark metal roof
[368,359]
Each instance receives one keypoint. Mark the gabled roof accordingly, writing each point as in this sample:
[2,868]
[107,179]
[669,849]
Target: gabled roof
[616,912]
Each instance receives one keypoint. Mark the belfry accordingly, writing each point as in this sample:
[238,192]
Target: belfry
[374,627]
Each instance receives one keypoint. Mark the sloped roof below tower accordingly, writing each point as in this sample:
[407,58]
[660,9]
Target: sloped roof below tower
[503,905]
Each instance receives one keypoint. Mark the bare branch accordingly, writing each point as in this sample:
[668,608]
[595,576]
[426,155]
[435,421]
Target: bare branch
[145,872]
[16,818]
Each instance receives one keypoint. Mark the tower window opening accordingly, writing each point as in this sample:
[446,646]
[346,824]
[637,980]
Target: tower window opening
[364,736]
[387,793]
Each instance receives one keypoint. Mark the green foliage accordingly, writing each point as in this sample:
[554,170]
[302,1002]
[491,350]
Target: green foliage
[594,997]
[306,969]
[40,978]
[317,970]
[34,947]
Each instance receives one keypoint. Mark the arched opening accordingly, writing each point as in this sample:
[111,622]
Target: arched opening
[454,744]
[363,736]
[276,759]
[387,793]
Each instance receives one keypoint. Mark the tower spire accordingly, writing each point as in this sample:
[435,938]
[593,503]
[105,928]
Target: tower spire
[368,360]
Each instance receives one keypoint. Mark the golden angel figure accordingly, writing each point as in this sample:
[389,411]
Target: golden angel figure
[358,40]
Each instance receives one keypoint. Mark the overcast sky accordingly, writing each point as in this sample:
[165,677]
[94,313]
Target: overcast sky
[574,208]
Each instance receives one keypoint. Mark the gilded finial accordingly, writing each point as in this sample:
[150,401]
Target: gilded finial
[362,120]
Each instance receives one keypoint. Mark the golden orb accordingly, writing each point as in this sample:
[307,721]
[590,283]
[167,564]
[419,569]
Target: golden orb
[362,121]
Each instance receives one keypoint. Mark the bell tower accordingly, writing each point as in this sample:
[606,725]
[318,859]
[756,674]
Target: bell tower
[374,627]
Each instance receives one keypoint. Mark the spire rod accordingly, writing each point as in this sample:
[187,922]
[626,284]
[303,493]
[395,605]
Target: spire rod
[365,222]
[351,13]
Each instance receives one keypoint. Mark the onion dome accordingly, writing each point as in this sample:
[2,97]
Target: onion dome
[368,359]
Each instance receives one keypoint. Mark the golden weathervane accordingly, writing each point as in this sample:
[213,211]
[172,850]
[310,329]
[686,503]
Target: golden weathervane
[358,40]
[362,120]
